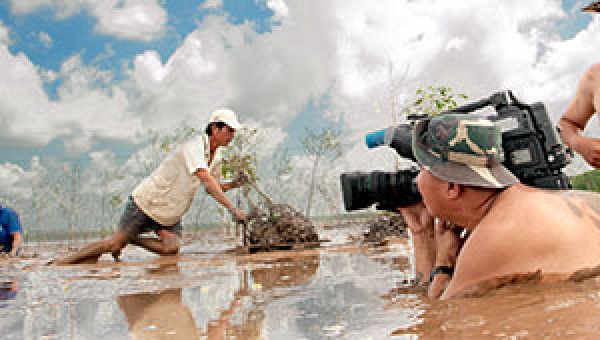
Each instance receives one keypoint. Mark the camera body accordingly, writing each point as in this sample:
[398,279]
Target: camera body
[533,150]
[534,153]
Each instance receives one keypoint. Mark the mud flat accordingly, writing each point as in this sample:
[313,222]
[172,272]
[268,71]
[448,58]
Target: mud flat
[341,290]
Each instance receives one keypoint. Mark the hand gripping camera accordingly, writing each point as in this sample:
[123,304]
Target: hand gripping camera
[534,153]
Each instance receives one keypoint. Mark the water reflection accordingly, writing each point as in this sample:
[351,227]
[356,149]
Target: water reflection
[334,292]
[268,280]
[293,270]
[158,315]
[164,314]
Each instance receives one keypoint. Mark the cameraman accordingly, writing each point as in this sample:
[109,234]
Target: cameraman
[578,114]
[514,229]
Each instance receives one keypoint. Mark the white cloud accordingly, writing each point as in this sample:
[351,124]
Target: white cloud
[24,7]
[134,19]
[469,44]
[46,39]
[15,182]
[87,106]
[343,48]
[4,34]
[212,4]
[279,8]
[24,106]
[266,78]
[127,19]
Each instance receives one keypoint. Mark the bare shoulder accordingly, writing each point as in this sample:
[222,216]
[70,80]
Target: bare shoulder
[546,207]
[590,79]
[594,70]
[515,230]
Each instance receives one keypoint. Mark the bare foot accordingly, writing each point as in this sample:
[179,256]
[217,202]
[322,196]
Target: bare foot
[67,260]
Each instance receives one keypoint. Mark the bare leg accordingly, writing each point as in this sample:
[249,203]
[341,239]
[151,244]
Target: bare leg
[94,250]
[168,244]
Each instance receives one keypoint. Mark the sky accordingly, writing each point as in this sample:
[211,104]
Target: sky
[95,78]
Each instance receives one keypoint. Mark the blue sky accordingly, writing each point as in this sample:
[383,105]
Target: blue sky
[94,75]
[76,35]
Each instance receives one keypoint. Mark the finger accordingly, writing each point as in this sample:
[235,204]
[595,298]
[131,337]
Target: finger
[443,226]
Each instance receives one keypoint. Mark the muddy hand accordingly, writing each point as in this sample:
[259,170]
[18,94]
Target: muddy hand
[238,215]
[448,243]
[240,179]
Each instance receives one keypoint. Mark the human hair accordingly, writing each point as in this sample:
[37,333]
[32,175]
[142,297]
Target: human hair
[219,126]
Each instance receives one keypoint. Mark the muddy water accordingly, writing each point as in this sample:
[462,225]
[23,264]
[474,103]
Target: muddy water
[342,291]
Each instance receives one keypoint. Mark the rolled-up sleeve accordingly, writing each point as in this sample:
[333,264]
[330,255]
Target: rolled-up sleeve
[195,155]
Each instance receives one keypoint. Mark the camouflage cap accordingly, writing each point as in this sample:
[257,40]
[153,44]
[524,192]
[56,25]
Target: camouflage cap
[462,149]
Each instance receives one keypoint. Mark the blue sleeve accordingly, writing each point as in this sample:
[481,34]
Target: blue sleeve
[14,225]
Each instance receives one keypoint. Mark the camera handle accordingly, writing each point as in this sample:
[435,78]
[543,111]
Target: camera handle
[497,100]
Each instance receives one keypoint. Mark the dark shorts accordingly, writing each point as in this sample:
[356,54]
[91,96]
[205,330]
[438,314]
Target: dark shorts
[134,222]
[7,248]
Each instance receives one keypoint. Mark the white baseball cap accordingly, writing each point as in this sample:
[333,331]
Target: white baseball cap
[226,116]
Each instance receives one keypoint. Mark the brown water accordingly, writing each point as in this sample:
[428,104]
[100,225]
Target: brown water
[341,291]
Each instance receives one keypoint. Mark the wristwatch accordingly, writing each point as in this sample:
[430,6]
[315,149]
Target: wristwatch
[448,270]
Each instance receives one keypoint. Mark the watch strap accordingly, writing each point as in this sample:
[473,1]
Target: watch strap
[448,270]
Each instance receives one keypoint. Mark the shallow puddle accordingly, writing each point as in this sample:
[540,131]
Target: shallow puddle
[341,291]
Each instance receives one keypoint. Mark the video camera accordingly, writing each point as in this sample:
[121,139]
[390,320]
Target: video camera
[533,152]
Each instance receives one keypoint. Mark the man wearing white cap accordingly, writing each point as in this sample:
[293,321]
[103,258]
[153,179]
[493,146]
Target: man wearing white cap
[159,202]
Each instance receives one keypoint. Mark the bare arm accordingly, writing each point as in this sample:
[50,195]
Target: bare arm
[214,189]
[435,244]
[420,223]
[448,245]
[579,112]
[16,243]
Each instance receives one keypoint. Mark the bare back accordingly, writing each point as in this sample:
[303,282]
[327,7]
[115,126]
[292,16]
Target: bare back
[529,230]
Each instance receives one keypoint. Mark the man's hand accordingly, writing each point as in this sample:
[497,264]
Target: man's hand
[448,243]
[238,215]
[420,223]
[240,179]
[16,244]
[169,240]
[589,149]
[417,218]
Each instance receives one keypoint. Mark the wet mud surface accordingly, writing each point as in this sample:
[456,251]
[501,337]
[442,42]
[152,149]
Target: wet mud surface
[342,290]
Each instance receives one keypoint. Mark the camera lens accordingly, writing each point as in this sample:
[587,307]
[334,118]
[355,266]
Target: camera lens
[361,190]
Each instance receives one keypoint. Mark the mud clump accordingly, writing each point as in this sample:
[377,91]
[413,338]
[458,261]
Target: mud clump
[384,227]
[282,228]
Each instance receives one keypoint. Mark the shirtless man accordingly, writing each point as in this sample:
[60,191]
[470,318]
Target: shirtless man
[579,112]
[513,228]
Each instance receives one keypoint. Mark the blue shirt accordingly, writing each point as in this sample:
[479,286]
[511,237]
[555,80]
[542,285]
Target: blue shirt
[9,224]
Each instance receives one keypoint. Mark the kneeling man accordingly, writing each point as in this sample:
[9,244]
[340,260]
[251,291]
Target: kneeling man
[159,202]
